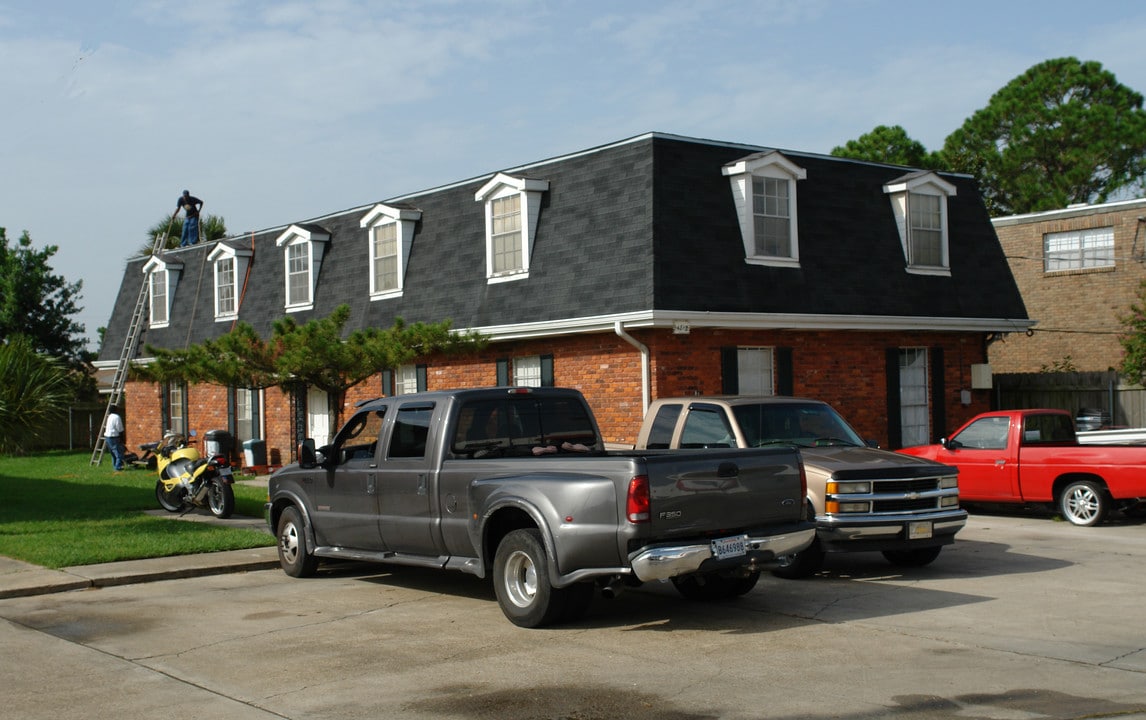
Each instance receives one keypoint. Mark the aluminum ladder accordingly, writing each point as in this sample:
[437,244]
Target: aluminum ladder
[119,381]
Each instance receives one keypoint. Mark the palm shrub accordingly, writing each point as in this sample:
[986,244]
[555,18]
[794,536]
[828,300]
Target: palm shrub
[35,390]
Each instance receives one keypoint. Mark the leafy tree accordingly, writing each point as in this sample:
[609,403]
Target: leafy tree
[211,228]
[1063,132]
[890,145]
[1133,340]
[35,390]
[37,303]
[314,354]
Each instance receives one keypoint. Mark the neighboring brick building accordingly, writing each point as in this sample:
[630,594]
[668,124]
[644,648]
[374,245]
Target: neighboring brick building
[654,266]
[1079,271]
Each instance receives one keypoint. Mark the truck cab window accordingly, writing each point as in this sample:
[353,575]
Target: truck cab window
[411,428]
[660,434]
[358,440]
[989,433]
[707,429]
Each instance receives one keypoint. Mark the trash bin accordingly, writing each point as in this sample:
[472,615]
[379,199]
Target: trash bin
[218,442]
[254,453]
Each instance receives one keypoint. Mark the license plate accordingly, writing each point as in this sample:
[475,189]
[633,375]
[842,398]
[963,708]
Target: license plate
[225,472]
[729,547]
[919,530]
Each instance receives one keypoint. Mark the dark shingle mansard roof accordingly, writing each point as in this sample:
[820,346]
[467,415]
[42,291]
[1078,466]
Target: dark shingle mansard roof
[645,224]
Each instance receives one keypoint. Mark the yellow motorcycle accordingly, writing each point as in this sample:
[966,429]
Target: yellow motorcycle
[187,481]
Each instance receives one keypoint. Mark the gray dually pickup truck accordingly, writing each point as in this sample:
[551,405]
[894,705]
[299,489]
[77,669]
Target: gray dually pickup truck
[515,484]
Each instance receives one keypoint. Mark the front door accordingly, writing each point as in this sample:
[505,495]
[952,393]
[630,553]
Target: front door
[318,416]
[345,496]
[985,472]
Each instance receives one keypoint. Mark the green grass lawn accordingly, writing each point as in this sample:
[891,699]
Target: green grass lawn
[57,510]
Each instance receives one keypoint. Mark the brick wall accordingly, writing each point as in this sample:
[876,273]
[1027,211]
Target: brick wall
[1078,312]
[845,369]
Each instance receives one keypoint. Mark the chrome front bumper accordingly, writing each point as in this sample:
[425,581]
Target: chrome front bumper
[667,561]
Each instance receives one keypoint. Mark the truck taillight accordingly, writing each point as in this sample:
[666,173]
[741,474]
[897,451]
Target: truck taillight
[637,503]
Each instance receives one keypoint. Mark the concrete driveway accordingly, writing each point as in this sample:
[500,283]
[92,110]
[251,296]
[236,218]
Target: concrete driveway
[1023,618]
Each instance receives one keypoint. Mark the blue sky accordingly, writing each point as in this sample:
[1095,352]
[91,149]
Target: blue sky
[278,112]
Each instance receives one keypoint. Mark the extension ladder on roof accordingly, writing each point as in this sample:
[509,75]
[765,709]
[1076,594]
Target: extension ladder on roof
[129,344]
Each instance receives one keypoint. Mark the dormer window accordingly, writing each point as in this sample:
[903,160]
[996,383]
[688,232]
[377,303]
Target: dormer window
[512,207]
[391,235]
[162,279]
[764,190]
[919,202]
[230,269]
[303,249]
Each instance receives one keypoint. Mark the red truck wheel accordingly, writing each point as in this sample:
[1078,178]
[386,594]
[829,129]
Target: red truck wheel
[1084,502]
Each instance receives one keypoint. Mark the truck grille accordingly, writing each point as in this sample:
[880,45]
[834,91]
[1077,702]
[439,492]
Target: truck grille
[906,486]
[898,506]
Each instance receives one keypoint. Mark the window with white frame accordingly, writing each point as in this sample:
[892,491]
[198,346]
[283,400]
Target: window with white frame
[391,236]
[754,371]
[1079,249]
[406,380]
[773,217]
[298,274]
[162,279]
[230,265]
[506,235]
[174,408]
[158,299]
[919,204]
[527,371]
[247,425]
[303,250]
[764,190]
[913,404]
[225,287]
[512,210]
[384,259]
[926,232]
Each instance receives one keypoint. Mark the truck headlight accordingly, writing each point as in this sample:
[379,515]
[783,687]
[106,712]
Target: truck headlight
[848,488]
[949,482]
[834,506]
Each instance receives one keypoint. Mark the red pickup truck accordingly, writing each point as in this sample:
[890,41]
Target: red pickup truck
[1033,456]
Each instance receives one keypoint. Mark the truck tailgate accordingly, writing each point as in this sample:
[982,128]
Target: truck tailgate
[705,492]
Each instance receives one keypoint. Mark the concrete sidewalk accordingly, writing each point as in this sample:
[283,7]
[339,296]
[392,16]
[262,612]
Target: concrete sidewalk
[20,579]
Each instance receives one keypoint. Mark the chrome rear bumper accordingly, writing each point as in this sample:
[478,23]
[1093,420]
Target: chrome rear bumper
[666,561]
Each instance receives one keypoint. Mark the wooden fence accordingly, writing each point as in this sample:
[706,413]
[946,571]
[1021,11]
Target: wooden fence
[76,430]
[1073,391]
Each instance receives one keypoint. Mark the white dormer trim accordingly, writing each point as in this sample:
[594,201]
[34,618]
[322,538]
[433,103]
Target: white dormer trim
[406,220]
[313,243]
[159,270]
[241,257]
[529,190]
[900,191]
[770,164]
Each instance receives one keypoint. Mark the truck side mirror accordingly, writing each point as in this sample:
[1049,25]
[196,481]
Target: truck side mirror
[950,444]
[306,455]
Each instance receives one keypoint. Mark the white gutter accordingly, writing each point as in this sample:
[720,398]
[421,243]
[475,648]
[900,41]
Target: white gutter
[619,328]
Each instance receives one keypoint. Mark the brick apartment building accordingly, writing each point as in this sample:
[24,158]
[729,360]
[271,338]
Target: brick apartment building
[1079,271]
[655,266]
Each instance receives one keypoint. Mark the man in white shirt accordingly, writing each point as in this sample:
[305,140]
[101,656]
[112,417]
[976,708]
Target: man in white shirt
[113,436]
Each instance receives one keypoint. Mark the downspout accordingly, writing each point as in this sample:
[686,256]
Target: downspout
[619,328]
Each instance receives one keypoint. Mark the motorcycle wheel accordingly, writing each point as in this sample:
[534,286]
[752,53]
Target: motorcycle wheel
[221,499]
[169,501]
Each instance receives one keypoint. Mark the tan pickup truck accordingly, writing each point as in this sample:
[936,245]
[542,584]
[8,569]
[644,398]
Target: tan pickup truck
[863,498]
